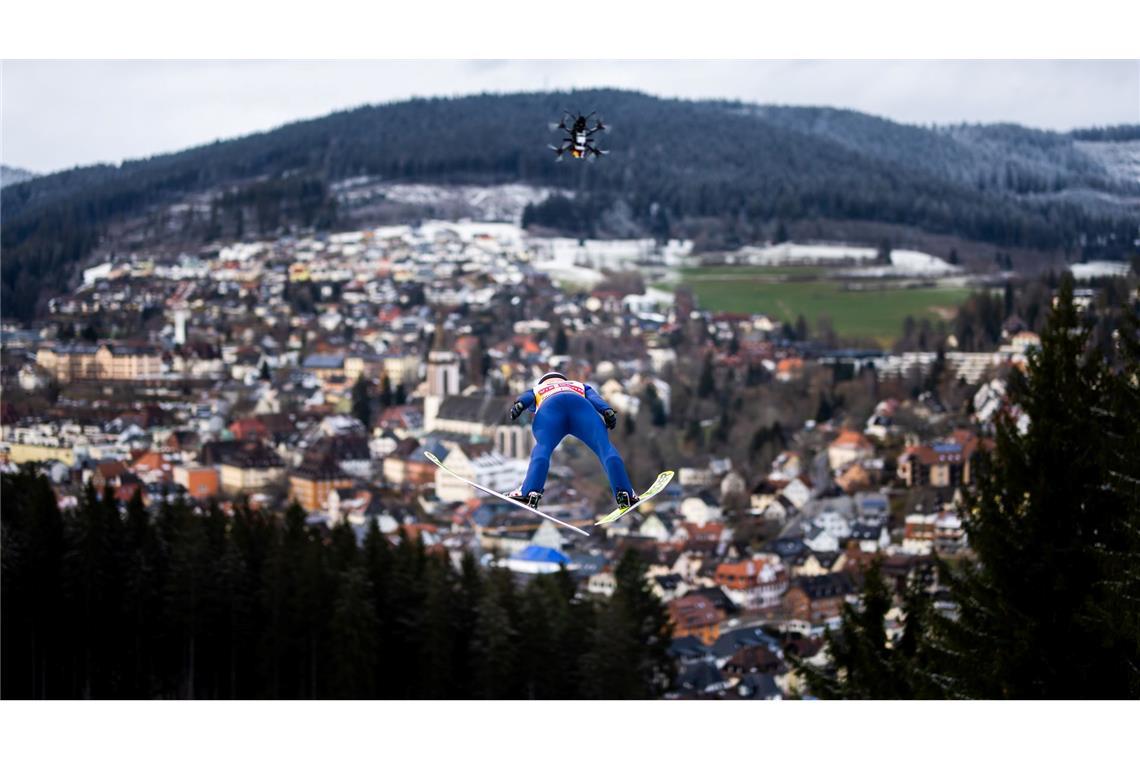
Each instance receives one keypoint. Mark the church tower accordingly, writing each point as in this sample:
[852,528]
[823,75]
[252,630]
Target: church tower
[442,378]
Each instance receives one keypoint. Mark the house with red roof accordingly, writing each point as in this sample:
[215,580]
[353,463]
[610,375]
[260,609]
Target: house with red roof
[249,429]
[946,463]
[695,615]
[849,446]
[755,583]
[152,467]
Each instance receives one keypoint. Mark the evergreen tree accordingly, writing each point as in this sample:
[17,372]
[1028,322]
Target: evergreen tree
[801,329]
[93,580]
[282,648]
[824,410]
[353,638]
[362,402]
[706,386]
[1052,507]
[1047,607]
[539,609]
[464,612]
[657,412]
[32,626]
[386,397]
[181,602]
[376,561]
[494,642]
[864,664]
[781,234]
[439,630]
[628,656]
[883,252]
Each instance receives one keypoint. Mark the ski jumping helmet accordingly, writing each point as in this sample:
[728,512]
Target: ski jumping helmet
[551,376]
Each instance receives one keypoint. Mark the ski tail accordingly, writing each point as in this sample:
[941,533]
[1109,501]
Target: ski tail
[435,460]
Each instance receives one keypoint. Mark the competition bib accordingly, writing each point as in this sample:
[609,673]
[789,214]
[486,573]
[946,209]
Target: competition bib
[545,391]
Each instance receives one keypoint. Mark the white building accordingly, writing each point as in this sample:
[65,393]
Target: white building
[602,584]
[492,470]
[700,511]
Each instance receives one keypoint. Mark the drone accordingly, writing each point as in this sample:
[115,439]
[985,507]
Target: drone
[578,142]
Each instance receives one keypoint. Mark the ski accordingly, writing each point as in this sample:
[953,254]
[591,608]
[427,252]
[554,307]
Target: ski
[435,460]
[657,487]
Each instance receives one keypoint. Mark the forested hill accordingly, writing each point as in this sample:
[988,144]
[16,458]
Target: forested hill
[11,175]
[729,169]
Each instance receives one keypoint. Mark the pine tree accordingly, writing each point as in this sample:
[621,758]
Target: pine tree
[801,329]
[465,606]
[864,664]
[1044,518]
[629,653]
[142,602]
[376,561]
[439,630]
[706,386]
[883,252]
[1047,607]
[405,615]
[1116,612]
[657,412]
[494,642]
[353,639]
[185,569]
[386,397]
[93,572]
[540,604]
[362,402]
[32,626]
[282,648]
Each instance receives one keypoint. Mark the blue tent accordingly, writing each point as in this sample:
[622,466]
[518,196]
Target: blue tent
[541,554]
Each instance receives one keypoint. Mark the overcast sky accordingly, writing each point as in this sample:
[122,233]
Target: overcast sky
[58,114]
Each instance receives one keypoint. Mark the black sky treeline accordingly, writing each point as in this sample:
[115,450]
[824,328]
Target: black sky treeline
[104,603]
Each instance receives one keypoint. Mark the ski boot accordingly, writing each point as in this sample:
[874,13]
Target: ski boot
[530,500]
[626,501]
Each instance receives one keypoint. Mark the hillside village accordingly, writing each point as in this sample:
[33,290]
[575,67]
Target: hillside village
[322,369]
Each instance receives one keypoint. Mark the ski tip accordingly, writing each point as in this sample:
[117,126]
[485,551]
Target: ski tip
[432,458]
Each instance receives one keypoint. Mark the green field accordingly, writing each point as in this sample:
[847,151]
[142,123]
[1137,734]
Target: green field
[876,314]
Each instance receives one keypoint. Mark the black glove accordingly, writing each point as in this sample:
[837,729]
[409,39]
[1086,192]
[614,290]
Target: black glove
[610,416]
[517,409]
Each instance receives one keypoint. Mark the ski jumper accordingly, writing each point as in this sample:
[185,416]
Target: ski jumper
[566,407]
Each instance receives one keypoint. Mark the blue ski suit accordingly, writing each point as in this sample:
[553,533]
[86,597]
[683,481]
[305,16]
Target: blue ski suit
[565,407]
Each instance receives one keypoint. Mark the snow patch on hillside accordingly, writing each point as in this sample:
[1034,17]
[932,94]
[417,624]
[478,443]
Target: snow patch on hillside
[904,263]
[1120,159]
[797,253]
[1094,269]
[494,203]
